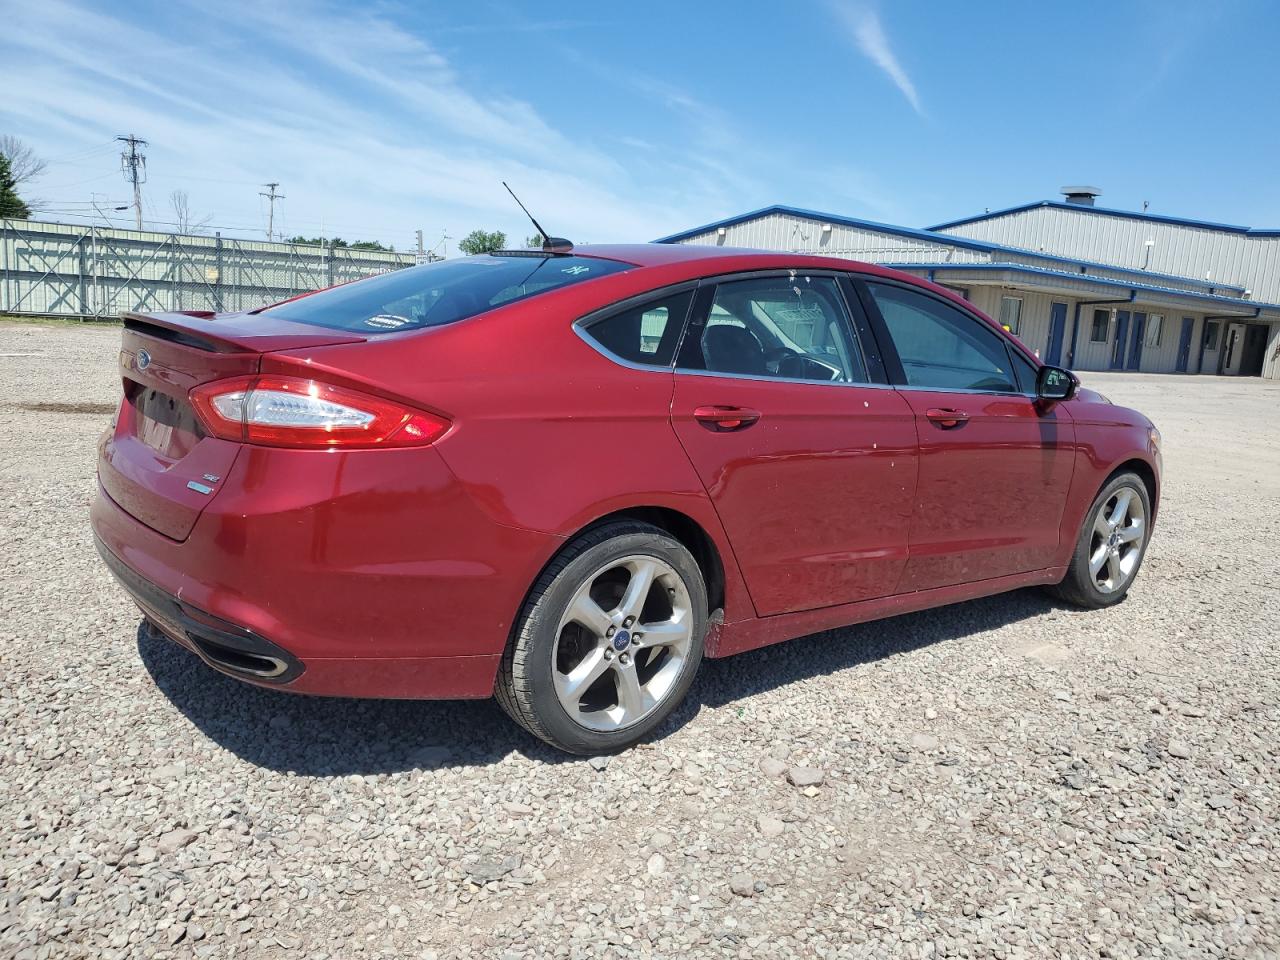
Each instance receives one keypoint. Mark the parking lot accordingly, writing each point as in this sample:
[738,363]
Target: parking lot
[1006,778]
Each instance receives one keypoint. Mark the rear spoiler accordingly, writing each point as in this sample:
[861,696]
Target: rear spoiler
[232,332]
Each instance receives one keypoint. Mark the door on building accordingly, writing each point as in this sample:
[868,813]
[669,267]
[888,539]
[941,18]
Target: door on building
[1121,341]
[1057,328]
[1254,352]
[810,462]
[1135,341]
[1229,363]
[1184,344]
[995,464]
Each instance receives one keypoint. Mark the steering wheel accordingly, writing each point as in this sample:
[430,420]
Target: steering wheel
[774,357]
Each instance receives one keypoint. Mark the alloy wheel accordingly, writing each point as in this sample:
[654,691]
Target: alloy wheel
[1119,529]
[622,643]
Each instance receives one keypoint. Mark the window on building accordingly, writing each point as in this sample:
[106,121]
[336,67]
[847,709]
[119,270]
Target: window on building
[940,346]
[1211,335]
[1155,329]
[1101,326]
[1010,313]
[646,333]
[963,291]
[791,328]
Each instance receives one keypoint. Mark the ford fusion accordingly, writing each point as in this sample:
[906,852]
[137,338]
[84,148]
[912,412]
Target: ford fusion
[564,477]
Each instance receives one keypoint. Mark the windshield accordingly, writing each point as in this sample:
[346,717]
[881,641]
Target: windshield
[439,293]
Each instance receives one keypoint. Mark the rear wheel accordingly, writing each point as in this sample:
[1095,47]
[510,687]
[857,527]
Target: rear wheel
[1111,546]
[608,642]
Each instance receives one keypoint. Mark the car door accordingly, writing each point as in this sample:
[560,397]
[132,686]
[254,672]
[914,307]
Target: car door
[995,462]
[781,404]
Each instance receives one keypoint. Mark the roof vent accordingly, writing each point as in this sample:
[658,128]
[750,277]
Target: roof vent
[1081,195]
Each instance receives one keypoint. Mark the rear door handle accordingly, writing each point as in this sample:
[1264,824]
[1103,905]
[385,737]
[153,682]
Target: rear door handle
[946,417]
[723,419]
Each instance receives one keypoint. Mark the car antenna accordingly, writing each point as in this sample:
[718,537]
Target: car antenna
[550,244]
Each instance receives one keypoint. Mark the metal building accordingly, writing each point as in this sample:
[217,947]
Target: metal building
[1083,286]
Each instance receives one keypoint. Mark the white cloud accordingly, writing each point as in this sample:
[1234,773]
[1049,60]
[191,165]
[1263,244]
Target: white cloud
[371,130]
[868,33]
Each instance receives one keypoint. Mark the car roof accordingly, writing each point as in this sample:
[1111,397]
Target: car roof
[662,254]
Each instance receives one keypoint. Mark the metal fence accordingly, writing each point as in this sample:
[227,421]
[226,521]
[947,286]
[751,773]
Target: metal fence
[74,270]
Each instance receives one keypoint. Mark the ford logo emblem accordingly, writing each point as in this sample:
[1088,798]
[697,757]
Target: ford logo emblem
[144,359]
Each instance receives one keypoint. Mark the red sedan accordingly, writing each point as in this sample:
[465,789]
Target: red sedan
[565,477]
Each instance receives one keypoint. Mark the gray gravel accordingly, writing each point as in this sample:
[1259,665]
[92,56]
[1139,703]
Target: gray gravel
[1006,778]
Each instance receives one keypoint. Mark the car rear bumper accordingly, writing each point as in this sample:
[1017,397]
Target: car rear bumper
[238,652]
[377,577]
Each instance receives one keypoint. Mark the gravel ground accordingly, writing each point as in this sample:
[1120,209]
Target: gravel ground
[1005,778]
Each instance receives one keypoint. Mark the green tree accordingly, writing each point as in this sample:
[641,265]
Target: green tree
[11,205]
[482,241]
[534,242]
[339,242]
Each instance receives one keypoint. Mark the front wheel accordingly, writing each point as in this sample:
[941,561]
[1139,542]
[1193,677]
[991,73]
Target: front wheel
[1111,545]
[608,642]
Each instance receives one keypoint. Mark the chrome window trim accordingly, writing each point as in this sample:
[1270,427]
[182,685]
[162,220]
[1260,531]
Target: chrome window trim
[614,358]
[686,371]
[600,314]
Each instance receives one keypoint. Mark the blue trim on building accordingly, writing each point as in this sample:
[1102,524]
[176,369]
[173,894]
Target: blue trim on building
[925,235]
[944,239]
[1254,305]
[1111,212]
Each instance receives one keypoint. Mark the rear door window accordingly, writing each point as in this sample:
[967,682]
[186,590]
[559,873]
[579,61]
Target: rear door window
[438,293]
[789,328]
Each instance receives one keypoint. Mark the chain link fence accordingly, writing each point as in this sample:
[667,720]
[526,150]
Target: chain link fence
[95,273]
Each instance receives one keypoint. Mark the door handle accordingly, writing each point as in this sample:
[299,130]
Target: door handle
[723,419]
[946,417]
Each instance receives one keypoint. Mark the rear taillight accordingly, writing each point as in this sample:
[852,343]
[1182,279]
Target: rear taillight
[298,412]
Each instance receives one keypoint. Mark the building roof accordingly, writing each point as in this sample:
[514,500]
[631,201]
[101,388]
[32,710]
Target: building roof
[1111,212]
[946,239]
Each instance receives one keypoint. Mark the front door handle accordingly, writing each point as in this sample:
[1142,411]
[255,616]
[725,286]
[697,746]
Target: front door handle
[723,419]
[947,418]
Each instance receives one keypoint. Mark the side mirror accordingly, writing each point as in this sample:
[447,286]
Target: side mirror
[1055,383]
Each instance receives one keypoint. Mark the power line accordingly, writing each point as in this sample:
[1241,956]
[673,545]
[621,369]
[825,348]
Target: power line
[272,197]
[134,166]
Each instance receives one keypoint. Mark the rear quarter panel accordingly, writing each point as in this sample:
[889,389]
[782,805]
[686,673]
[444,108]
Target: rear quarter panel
[548,435]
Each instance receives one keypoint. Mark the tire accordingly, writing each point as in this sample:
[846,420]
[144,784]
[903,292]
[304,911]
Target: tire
[1122,546]
[569,656]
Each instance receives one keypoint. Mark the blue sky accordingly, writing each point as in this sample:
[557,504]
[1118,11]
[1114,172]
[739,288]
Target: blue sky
[630,121]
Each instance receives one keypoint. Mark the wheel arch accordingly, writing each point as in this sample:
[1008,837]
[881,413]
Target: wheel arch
[683,528]
[1145,472]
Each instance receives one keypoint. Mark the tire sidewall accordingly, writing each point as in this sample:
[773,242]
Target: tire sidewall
[1084,580]
[540,631]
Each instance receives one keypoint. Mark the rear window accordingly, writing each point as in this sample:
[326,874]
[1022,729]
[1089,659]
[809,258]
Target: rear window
[439,293]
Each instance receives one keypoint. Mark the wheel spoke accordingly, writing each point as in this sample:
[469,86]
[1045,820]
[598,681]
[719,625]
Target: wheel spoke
[642,574]
[1101,526]
[1121,510]
[1098,559]
[572,685]
[631,696]
[587,612]
[667,633]
[1132,532]
[1113,569]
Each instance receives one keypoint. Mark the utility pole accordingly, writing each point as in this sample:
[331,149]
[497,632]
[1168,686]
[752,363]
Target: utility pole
[134,166]
[422,253]
[272,197]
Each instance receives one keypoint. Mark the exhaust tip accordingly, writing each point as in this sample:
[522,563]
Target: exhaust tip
[239,661]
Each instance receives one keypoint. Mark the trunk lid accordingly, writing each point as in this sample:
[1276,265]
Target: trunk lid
[158,464]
